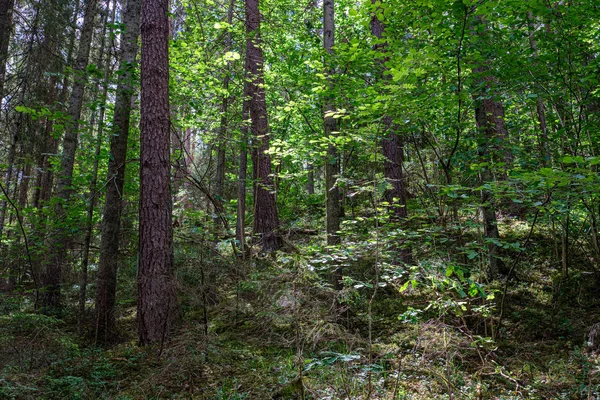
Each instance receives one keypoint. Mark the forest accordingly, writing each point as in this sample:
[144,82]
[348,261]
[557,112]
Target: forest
[299,199]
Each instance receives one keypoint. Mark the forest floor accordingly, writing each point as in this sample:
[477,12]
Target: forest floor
[272,329]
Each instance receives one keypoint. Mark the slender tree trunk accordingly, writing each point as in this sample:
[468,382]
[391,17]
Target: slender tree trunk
[223,127]
[310,178]
[106,284]
[489,118]
[240,227]
[8,178]
[539,104]
[51,144]
[24,185]
[106,65]
[393,148]
[17,129]
[52,276]
[6,9]
[43,161]
[156,294]
[332,162]
[266,221]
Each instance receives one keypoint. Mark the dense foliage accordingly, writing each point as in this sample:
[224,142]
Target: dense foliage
[370,199]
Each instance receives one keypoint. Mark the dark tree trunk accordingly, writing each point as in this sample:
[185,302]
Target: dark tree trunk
[87,241]
[240,227]
[489,117]
[332,161]
[106,283]
[6,8]
[156,294]
[224,123]
[52,277]
[392,144]
[310,178]
[393,149]
[266,221]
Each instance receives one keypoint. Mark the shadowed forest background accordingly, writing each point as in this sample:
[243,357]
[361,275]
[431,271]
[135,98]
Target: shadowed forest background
[316,199]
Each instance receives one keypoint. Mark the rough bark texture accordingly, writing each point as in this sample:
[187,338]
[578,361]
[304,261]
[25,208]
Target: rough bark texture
[99,140]
[156,294]
[489,117]
[106,283]
[392,144]
[240,227]
[52,276]
[266,221]
[332,162]
[6,8]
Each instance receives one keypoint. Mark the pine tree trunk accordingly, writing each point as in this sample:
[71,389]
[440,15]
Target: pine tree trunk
[52,277]
[266,221]
[332,161]
[99,140]
[156,294]
[392,148]
[240,227]
[106,284]
[489,118]
[6,8]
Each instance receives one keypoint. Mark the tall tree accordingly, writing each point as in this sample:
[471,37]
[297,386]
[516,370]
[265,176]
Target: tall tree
[6,8]
[489,118]
[156,294]
[332,163]
[266,221]
[225,100]
[52,276]
[392,143]
[113,205]
[240,226]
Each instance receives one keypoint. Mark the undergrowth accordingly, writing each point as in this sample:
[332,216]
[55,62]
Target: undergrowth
[275,328]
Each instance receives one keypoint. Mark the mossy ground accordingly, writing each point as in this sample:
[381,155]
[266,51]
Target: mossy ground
[277,330]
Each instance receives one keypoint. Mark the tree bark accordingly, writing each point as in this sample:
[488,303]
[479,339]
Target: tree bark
[240,227]
[106,284]
[392,148]
[332,162]
[224,123]
[489,118]
[266,221]
[6,9]
[52,277]
[156,294]
[106,66]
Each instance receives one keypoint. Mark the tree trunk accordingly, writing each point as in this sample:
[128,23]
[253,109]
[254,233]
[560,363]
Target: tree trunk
[489,118]
[6,8]
[17,129]
[539,104]
[240,227]
[310,178]
[99,139]
[106,284]
[223,126]
[156,294]
[266,221]
[52,276]
[392,147]
[332,162]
